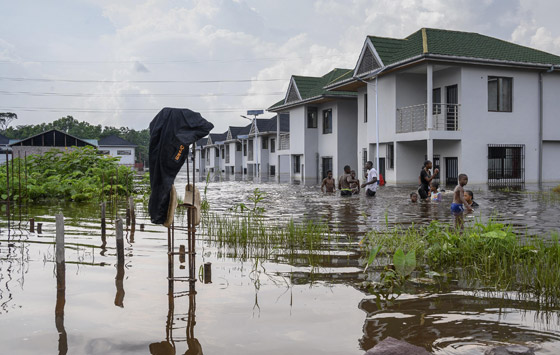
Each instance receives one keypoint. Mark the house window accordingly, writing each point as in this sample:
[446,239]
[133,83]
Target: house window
[390,156]
[223,153]
[365,108]
[217,152]
[311,117]
[202,153]
[272,170]
[327,165]
[227,153]
[500,94]
[124,152]
[244,149]
[208,156]
[506,164]
[264,143]
[297,164]
[272,145]
[436,100]
[327,121]
[238,146]
[103,152]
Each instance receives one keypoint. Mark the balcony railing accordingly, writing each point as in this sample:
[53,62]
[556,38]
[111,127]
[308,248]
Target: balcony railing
[284,142]
[445,117]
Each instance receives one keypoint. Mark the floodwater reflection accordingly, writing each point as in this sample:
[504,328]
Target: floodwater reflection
[460,322]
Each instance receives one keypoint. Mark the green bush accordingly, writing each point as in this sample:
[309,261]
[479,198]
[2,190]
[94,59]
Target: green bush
[77,175]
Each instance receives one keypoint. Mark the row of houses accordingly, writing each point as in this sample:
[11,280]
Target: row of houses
[239,152]
[55,139]
[468,102]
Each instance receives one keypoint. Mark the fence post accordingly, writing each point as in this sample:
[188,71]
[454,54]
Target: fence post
[103,224]
[32,225]
[120,241]
[59,238]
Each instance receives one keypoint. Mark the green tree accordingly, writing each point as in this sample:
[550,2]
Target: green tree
[5,119]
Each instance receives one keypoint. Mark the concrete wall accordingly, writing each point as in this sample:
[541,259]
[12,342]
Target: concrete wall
[347,130]
[551,106]
[480,127]
[409,157]
[551,161]
[361,126]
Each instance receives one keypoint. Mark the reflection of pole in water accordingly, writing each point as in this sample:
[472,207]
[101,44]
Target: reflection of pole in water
[119,297]
[60,286]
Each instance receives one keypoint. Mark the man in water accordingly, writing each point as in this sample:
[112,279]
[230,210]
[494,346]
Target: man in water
[371,183]
[328,183]
[459,201]
[344,182]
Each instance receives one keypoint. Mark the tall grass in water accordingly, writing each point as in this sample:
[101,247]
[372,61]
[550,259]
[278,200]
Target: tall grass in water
[488,255]
[250,235]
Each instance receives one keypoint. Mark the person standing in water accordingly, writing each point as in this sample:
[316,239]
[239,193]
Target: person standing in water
[459,203]
[371,184]
[344,182]
[328,183]
[425,178]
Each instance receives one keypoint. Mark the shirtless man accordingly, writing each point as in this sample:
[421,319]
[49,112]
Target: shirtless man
[459,201]
[328,183]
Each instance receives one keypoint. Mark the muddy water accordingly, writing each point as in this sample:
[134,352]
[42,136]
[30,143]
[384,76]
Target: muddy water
[274,306]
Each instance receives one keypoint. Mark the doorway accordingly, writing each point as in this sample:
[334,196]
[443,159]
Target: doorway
[452,112]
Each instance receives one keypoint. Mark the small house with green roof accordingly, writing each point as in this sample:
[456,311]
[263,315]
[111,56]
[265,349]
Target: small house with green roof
[471,103]
[322,127]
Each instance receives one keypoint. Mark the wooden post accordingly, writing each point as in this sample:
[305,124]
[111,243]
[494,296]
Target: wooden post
[39,228]
[127,217]
[103,224]
[181,253]
[32,225]
[132,212]
[59,238]
[141,227]
[207,272]
[120,240]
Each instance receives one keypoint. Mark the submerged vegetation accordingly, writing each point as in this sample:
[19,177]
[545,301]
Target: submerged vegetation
[77,175]
[489,256]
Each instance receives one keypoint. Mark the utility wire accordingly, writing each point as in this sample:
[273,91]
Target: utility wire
[124,110]
[141,81]
[29,93]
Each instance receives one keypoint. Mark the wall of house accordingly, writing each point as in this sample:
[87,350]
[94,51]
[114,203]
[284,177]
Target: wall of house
[328,143]
[361,126]
[263,156]
[480,127]
[551,106]
[409,157]
[311,145]
[386,111]
[272,156]
[124,159]
[551,161]
[297,130]
[410,89]
[446,149]
[347,126]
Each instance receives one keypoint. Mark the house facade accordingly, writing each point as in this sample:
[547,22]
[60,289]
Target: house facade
[321,131]
[470,103]
[118,147]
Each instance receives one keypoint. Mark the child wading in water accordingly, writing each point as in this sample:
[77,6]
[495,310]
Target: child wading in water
[355,186]
[459,201]
[434,194]
[328,183]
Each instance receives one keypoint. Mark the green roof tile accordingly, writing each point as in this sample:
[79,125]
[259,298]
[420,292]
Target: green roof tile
[309,86]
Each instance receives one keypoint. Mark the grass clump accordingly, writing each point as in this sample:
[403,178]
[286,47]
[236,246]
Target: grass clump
[487,255]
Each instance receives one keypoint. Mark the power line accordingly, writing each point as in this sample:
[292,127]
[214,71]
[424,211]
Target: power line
[142,81]
[124,110]
[30,93]
[152,61]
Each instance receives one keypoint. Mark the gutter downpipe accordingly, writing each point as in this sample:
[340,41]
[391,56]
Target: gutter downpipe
[541,123]
[376,121]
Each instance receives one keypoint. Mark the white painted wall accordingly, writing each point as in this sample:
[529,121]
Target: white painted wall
[551,106]
[480,127]
[124,159]
[551,161]
[347,126]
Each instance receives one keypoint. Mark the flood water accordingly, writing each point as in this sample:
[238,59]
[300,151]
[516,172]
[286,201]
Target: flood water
[275,306]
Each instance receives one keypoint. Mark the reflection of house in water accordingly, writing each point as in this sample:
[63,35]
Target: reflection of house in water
[448,320]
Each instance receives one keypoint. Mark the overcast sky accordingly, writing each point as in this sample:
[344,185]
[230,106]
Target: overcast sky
[119,62]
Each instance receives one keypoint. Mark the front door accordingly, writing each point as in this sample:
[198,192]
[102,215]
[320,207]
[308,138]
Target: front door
[452,112]
[381,170]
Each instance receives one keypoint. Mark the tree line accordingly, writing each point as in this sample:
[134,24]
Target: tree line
[85,130]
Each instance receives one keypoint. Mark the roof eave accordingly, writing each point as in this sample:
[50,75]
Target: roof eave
[310,100]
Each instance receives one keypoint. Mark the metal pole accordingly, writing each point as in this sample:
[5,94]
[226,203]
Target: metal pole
[376,126]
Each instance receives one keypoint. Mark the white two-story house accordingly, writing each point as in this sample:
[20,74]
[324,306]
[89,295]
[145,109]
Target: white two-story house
[322,128]
[470,103]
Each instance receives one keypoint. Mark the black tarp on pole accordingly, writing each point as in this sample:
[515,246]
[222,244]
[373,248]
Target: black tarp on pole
[172,131]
